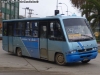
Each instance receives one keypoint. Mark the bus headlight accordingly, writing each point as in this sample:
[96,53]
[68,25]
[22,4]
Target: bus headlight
[94,48]
[73,51]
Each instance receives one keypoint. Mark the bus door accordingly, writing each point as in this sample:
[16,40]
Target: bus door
[10,37]
[43,40]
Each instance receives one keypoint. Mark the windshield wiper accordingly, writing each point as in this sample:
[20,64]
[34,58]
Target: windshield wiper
[87,36]
[76,40]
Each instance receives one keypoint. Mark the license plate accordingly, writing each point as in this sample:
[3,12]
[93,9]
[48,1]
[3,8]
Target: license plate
[85,59]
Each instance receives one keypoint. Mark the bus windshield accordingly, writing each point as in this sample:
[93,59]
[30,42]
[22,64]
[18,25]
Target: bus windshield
[77,29]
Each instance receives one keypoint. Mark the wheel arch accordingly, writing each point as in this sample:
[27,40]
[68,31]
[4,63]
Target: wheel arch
[16,49]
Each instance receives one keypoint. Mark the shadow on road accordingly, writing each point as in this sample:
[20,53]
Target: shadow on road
[46,61]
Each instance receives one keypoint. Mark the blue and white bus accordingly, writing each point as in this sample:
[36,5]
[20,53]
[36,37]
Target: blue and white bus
[63,39]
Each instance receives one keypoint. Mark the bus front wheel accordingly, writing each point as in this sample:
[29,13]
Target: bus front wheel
[19,52]
[59,59]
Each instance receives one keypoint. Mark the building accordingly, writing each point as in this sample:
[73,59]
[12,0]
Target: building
[8,11]
[0,16]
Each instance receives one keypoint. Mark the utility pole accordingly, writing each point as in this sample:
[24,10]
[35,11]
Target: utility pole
[66,6]
[25,10]
[57,5]
[30,12]
[56,11]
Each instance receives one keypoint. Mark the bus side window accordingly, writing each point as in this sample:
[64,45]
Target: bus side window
[55,31]
[35,29]
[17,29]
[51,32]
[5,29]
[22,28]
[27,30]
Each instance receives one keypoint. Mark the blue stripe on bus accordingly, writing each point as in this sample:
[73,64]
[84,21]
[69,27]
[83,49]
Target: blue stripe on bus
[80,45]
[32,45]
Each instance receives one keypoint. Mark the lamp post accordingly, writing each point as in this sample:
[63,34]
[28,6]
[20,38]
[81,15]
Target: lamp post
[57,5]
[66,5]
[61,9]
[25,10]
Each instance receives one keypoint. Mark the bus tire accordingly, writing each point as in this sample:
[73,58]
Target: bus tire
[85,61]
[19,52]
[59,59]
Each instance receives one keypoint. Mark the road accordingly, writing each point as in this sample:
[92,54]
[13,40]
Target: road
[30,72]
[12,65]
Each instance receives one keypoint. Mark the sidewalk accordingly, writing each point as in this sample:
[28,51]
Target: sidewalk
[99,48]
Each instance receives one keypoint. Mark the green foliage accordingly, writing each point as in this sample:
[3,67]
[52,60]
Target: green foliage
[91,9]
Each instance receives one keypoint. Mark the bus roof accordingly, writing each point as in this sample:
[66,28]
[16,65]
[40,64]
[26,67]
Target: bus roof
[45,18]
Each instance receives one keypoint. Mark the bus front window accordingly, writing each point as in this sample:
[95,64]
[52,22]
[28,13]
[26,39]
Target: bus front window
[77,29]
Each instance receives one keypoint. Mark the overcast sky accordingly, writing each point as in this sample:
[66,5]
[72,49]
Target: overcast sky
[47,7]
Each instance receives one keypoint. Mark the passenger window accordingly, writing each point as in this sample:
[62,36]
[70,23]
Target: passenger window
[55,31]
[28,29]
[35,29]
[51,30]
[5,29]
[22,28]
[10,30]
[19,28]
[43,29]
[31,29]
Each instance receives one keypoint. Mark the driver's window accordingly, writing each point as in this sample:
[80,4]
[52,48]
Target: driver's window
[55,31]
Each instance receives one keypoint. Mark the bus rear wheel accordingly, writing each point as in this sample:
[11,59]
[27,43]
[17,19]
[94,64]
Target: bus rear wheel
[59,59]
[19,52]
[85,61]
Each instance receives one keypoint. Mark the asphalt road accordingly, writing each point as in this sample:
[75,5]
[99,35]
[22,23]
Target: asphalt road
[31,72]
[12,65]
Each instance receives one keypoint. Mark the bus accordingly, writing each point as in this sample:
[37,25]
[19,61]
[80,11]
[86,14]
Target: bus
[61,39]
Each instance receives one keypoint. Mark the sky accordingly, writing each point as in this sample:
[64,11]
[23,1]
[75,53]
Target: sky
[46,8]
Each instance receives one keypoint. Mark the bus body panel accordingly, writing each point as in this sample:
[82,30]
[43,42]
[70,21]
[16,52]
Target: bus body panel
[80,57]
[43,48]
[17,42]
[32,45]
[85,50]
[85,44]
[10,44]
[5,43]
[54,47]
[46,48]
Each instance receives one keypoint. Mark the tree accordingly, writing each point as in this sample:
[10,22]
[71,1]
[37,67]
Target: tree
[78,3]
[91,9]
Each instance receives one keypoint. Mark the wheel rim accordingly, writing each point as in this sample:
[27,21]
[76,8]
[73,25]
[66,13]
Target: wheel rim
[19,52]
[60,59]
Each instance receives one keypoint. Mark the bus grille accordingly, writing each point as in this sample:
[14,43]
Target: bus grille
[85,50]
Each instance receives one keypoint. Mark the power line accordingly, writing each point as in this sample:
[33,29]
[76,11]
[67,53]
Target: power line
[30,12]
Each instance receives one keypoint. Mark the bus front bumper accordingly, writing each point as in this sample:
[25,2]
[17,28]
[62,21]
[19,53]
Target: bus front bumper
[79,57]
